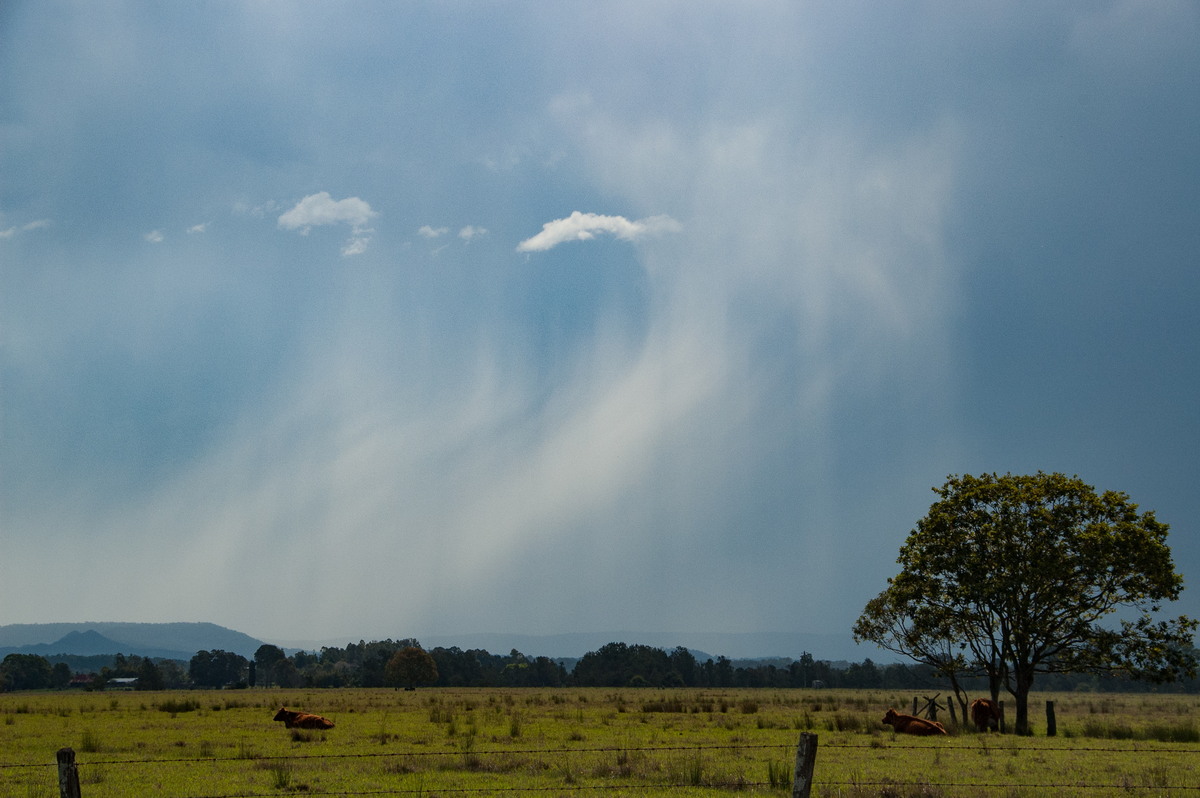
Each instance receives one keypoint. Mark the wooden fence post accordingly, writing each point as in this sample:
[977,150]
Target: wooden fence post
[1003,723]
[806,759]
[1051,723]
[68,775]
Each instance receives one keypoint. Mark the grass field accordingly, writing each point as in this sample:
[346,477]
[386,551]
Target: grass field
[580,741]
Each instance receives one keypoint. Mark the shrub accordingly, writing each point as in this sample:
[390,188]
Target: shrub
[89,742]
[779,774]
[1182,732]
[281,774]
[175,706]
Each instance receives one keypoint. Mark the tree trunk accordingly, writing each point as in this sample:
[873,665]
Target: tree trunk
[995,682]
[1024,683]
[960,695]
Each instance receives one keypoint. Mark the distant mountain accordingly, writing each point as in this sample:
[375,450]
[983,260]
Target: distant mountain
[167,640]
[83,643]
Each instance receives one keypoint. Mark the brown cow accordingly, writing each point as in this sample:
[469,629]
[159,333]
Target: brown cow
[302,720]
[910,724]
[985,714]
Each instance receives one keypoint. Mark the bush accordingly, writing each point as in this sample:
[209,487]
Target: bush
[175,706]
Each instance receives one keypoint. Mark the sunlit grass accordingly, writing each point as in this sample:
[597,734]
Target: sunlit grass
[628,742]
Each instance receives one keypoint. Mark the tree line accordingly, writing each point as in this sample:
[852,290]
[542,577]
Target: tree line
[404,663]
[1007,579]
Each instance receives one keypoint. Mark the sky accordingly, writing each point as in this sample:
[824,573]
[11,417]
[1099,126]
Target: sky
[373,320]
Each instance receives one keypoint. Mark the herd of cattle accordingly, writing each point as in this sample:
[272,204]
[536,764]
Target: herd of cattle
[985,714]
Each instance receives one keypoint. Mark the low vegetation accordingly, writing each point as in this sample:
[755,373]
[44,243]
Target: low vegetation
[575,741]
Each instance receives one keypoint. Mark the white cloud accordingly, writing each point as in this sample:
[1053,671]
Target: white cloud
[432,232]
[583,226]
[198,228]
[242,208]
[25,228]
[321,209]
[154,236]
[471,231]
[357,245]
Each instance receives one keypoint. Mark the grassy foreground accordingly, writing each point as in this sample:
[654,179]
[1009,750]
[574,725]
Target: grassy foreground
[580,741]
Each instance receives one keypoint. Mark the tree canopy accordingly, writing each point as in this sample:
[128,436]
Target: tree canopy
[25,672]
[1010,577]
[217,668]
[411,666]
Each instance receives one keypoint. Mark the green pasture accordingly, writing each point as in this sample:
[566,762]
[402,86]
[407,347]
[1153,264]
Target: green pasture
[581,741]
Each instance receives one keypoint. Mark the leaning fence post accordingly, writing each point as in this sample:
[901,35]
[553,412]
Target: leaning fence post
[806,758]
[68,774]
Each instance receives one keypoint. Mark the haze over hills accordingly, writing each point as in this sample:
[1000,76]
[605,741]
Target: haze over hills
[182,640]
[167,640]
[92,643]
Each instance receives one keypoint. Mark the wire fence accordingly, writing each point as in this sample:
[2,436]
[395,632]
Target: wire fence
[780,780]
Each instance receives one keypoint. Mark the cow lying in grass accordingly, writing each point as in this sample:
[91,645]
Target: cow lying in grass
[910,724]
[302,720]
[985,714]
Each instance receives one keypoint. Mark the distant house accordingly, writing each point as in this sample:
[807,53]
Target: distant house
[122,683]
[82,680]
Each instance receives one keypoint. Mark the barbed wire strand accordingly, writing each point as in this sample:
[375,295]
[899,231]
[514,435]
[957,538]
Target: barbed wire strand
[458,752]
[461,790]
[622,749]
[543,751]
[423,789]
[643,786]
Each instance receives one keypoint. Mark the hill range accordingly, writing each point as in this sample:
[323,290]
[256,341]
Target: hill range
[156,640]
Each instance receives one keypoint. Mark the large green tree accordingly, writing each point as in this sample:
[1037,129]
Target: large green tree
[25,672]
[266,660]
[217,668]
[1012,576]
[411,666]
